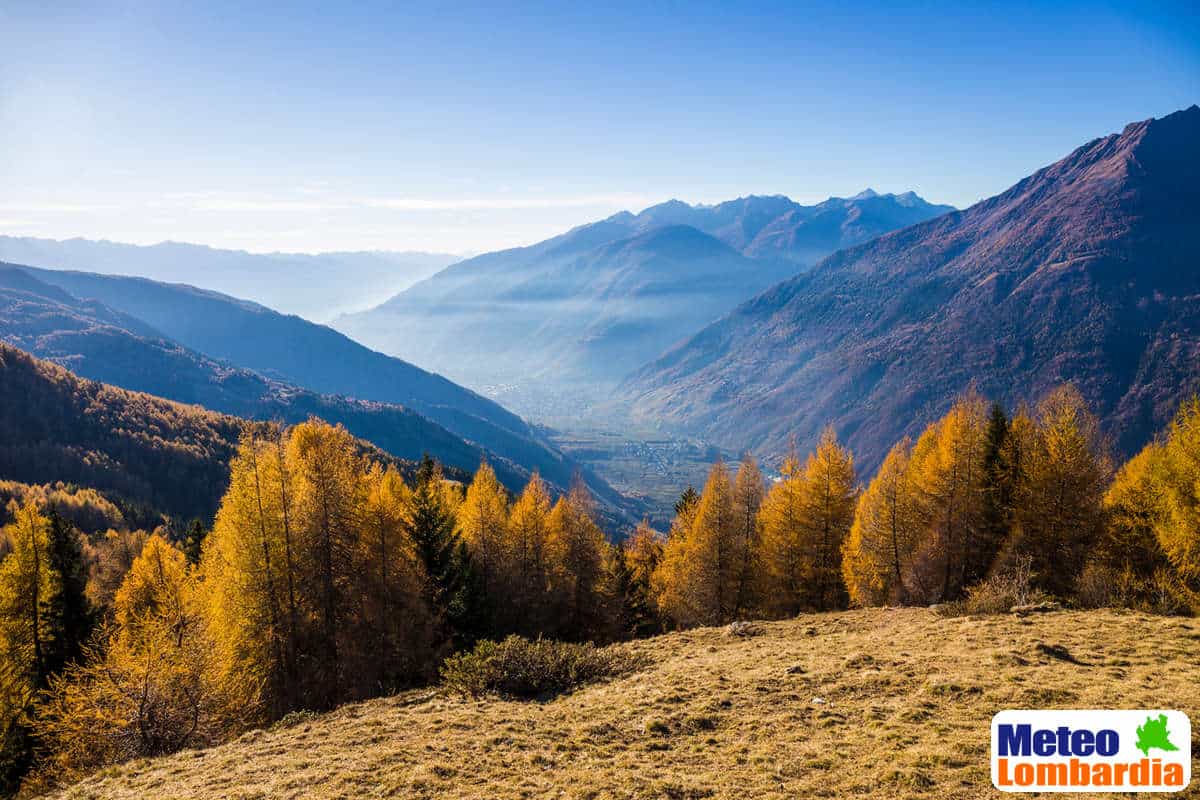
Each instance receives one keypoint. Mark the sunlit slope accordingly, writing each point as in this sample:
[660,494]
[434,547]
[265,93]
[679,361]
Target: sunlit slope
[881,703]
[1085,271]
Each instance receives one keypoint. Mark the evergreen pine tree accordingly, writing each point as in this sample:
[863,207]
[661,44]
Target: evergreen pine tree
[687,501]
[620,599]
[996,497]
[433,530]
[193,541]
[71,615]
[467,614]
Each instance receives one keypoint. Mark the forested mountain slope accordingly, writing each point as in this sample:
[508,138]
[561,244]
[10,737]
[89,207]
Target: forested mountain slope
[57,427]
[160,454]
[585,307]
[101,344]
[1087,271]
[298,352]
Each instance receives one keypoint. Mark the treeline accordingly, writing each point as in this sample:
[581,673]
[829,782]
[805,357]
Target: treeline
[329,577]
[983,510]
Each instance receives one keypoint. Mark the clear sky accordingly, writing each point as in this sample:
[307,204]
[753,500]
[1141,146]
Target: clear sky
[460,127]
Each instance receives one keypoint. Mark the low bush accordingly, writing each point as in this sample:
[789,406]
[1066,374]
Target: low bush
[521,668]
[1162,592]
[1002,591]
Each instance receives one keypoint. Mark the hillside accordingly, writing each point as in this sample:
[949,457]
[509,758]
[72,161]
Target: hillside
[1086,271]
[57,427]
[101,344]
[161,455]
[317,287]
[881,703]
[294,351]
[583,308]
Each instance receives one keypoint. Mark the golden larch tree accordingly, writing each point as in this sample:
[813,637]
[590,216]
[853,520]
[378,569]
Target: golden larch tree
[878,554]
[1065,472]
[28,586]
[248,572]
[693,583]
[1179,527]
[325,467]
[786,563]
[828,494]
[525,607]
[393,617]
[947,470]
[576,550]
[150,687]
[157,590]
[483,518]
[746,567]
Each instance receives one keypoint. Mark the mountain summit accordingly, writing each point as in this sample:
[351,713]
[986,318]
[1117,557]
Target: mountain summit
[584,308]
[1086,271]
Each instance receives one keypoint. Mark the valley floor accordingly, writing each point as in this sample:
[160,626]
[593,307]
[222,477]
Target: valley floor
[651,470]
[881,703]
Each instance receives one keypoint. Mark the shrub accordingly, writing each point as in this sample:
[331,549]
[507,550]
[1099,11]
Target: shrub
[1014,586]
[1168,594]
[1162,592]
[519,667]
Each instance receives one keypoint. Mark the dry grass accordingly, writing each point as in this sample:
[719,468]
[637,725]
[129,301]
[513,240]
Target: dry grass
[881,703]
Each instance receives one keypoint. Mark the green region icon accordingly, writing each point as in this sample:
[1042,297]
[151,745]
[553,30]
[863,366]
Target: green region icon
[1153,734]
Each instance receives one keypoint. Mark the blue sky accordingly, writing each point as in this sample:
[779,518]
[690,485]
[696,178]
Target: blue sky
[463,127]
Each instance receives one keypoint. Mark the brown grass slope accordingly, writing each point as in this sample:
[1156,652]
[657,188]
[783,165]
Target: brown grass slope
[881,703]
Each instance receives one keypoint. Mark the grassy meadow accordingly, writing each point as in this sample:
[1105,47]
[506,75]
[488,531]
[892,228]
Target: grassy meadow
[885,702]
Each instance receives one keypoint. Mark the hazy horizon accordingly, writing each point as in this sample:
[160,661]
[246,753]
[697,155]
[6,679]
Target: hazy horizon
[462,254]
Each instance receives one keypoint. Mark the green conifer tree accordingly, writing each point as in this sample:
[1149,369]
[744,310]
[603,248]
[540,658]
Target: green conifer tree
[431,526]
[996,496]
[70,615]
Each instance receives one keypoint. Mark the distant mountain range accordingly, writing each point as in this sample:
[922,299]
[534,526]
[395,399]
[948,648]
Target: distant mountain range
[317,287]
[234,356]
[1087,271]
[586,307]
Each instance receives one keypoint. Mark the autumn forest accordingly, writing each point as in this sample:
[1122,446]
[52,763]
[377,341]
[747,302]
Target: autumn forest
[327,577]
